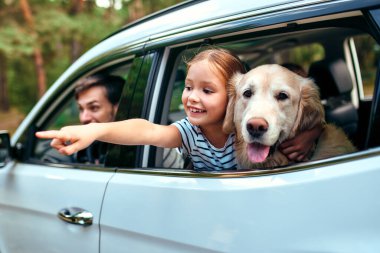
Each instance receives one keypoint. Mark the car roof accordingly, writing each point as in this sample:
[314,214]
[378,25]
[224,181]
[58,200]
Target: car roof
[192,12]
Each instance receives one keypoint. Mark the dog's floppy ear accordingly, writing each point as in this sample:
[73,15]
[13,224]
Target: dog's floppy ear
[228,124]
[310,111]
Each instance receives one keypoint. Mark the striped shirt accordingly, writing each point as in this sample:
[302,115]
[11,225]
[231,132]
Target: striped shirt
[202,153]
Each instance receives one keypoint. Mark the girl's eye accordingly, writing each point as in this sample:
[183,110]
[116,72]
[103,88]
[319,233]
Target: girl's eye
[282,96]
[187,88]
[207,91]
[247,94]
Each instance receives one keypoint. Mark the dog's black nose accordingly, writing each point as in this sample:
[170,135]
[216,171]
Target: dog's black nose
[256,127]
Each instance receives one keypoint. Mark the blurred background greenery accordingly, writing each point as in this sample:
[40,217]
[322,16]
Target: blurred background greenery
[39,39]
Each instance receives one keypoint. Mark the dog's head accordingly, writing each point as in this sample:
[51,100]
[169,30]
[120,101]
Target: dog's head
[268,105]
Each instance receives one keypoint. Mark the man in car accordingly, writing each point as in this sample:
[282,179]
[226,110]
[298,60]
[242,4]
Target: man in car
[97,97]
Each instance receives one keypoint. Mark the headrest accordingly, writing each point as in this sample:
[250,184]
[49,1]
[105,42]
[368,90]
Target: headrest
[332,77]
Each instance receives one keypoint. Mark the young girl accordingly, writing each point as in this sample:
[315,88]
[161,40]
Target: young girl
[199,135]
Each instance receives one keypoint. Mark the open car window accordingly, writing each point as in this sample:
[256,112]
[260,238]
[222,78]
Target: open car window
[318,51]
[67,112]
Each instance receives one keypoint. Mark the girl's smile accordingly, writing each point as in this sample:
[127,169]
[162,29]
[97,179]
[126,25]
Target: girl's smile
[196,110]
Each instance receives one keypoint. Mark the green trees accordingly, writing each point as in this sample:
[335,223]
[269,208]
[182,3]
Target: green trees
[40,39]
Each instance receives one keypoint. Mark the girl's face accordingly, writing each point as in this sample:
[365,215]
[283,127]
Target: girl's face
[205,96]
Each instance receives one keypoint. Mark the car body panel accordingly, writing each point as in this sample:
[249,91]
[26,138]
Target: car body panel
[30,199]
[337,205]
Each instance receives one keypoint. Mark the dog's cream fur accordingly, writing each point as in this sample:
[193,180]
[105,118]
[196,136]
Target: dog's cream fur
[289,104]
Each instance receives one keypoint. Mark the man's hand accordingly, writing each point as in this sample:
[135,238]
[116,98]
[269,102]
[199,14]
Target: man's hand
[299,147]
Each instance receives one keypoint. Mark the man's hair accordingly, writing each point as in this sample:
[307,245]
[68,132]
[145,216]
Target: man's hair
[112,84]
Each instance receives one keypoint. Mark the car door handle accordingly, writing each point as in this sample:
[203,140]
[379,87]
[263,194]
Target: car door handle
[76,215]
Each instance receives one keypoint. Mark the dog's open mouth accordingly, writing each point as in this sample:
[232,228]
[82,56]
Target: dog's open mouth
[257,152]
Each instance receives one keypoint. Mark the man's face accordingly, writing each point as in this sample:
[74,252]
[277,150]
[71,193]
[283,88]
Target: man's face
[94,106]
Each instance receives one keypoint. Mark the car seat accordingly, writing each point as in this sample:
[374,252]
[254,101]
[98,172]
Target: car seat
[334,81]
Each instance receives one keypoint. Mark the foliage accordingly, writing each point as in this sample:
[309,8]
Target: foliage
[15,41]
[62,30]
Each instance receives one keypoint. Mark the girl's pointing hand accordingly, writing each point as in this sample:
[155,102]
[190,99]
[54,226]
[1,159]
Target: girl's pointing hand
[69,139]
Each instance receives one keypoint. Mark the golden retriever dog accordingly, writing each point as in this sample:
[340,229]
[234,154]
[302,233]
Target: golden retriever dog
[270,104]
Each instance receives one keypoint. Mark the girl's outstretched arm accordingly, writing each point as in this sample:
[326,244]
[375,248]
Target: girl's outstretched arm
[71,139]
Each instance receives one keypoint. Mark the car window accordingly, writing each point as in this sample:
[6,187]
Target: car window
[317,51]
[68,113]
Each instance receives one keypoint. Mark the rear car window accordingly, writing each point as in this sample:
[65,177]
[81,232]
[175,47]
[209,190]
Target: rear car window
[312,50]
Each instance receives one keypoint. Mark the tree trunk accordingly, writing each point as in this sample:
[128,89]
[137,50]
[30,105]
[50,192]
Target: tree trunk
[110,10]
[40,70]
[76,7]
[4,96]
[38,58]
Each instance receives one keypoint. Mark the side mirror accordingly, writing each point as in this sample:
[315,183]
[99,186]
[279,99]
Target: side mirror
[5,148]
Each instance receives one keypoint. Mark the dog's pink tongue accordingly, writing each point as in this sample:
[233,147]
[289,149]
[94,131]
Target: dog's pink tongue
[257,152]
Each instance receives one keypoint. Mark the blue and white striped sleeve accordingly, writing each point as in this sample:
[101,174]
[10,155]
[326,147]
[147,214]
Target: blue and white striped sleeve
[184,131]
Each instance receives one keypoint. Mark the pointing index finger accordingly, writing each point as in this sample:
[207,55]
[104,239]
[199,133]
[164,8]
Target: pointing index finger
[48,134]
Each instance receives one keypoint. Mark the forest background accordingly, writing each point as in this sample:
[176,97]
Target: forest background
[39,39]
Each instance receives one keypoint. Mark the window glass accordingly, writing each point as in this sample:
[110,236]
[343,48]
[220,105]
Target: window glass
[67,116]
[131,106]
[368,55]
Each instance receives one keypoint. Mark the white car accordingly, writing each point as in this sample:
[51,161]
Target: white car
[144,200]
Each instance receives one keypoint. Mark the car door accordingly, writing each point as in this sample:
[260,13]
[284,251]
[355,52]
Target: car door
[329,205]
[54,205]
[33,197]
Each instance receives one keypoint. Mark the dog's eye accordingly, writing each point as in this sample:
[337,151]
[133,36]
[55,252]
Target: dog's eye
[282,96]
[247,94]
